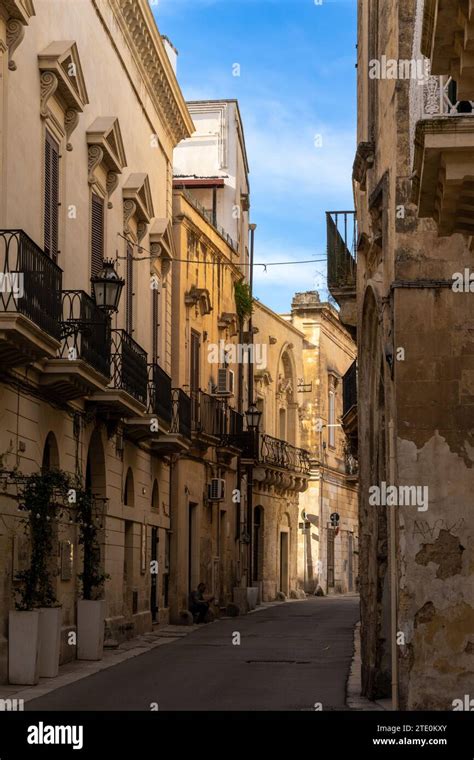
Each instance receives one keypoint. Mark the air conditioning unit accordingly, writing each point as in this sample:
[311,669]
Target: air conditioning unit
[225,382]
[216,489]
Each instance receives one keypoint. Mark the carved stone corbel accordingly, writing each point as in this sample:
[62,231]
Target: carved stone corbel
[141,230]
[111,185]
[155,250]
[95,158]
[15,34]
[71,120]
[129,208]
[49,85]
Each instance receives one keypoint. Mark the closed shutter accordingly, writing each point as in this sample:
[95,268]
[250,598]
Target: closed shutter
[97,235]
[155,323]
[51,197]
[129,286]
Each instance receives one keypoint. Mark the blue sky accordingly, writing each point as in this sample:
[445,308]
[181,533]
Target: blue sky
[297,81]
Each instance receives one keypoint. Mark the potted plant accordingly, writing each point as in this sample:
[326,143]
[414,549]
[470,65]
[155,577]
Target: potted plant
[35,624]
[91,608]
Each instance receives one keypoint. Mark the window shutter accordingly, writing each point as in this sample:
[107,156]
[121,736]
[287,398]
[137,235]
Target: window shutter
[51,197]
[97,235]
[129,286]
[195,362]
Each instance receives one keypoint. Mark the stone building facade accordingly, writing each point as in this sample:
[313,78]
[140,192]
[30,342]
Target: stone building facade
[90,111]
[328,551]
[281,472]
[412,177]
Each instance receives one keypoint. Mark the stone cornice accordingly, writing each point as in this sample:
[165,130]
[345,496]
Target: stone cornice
[138,26]
[19,9]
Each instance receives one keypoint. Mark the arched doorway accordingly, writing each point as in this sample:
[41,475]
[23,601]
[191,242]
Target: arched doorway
[95,483]
[50,460]
[258,543]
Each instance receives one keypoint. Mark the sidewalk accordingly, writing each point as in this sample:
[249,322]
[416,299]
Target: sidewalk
[79,669]
[354,700]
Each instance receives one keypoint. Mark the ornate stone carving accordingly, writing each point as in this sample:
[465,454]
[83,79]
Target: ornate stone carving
[112,182]
[432,97]
[141,230]
[15,34]
[129,209]
[95,158]
[71,120]
[49,85]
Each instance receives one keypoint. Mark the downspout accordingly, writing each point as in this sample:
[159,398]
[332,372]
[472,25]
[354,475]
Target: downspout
[393,575]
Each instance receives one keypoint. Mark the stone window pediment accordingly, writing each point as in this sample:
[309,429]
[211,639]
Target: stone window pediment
[161,244]
[199,297]
[137,202]
[106,149]
[62,77]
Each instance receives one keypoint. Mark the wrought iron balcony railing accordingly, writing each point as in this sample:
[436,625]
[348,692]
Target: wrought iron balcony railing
[129,371]
[213,416]
[159,393]
[86,331]
[341,251]
[267,450]
[30,282]
[440,98]
[181,419]
[349,389]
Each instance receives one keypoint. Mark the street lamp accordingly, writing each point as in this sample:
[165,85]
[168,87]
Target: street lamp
[253,417]
[107,287]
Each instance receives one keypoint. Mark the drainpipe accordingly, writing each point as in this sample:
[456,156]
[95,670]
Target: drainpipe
[393,575]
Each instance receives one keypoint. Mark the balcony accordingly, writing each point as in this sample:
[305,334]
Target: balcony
[276,462]
[126,395]
[443,185]
[30,301]
[166,425]
[448,41]
[82,364]
[342,262]
[349,410]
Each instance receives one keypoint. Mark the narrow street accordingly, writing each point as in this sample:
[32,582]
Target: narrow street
[290,657]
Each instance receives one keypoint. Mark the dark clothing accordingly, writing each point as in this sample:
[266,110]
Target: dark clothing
[197,605]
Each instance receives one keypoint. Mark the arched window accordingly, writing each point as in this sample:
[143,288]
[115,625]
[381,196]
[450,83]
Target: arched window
[50,454]
[129,490]
[155,497]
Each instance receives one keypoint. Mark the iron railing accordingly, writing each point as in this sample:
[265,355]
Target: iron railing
[129,366]
[30,282]
[208,216]
[159,393]
[181,418]
[85,330]
[341,250]
[440,98]
[349,389]
[211,415]
[267,450]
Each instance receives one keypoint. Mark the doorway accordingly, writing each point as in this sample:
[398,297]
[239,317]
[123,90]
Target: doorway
[192,548]
[330,558]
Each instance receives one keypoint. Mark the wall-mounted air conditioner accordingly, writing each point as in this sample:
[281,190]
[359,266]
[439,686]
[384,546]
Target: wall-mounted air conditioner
[216,489]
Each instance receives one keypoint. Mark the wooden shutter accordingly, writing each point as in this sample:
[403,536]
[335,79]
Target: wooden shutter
[195,368]
[155,323]
[51,196]
[129,288]
[97,234]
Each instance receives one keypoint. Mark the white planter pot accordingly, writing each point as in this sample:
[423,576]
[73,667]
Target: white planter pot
[90,629]
[23,647]
[50,641]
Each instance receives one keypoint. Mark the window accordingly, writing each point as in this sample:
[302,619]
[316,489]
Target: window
[155,497]
[129,490]
[195,362]
[332,420]
[129,291]
[51,197]
[97,234]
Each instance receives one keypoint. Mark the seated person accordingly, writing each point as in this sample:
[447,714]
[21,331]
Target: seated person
[198,605]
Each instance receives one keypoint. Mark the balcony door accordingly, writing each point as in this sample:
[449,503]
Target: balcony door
[195,375]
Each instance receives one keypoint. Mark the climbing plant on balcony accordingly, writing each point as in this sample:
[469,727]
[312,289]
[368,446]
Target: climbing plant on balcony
[243,300]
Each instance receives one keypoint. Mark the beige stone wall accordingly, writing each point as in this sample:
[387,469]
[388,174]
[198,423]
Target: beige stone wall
[415,417]
[118,83]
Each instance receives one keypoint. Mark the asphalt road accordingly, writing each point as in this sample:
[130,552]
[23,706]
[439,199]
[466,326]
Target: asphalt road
[290,657]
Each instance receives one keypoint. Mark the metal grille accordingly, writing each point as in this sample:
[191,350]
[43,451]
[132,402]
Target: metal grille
[341,249]
[89,330]
[129,366]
